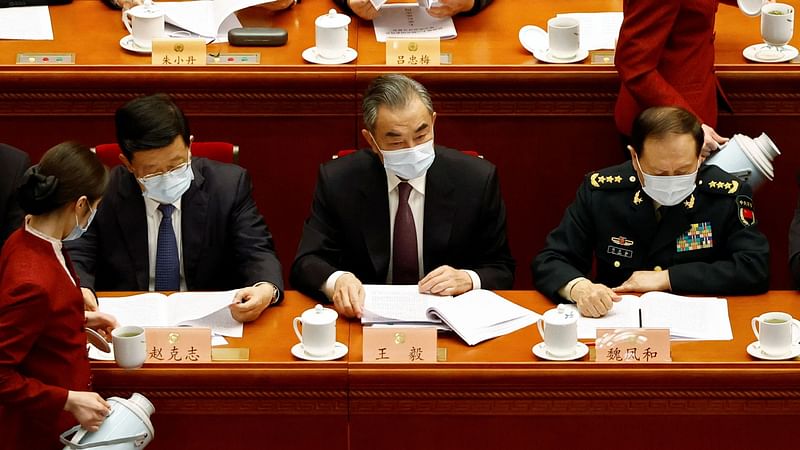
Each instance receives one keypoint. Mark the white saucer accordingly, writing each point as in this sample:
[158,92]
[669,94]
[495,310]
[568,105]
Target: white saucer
[127,43]
[310,55]
[752,53]
[339,350]
[754,350]
[545,56]
[532,38]
[580,351]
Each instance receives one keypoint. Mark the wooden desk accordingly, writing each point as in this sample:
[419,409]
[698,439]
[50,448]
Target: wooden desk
[544,126]
[493,395]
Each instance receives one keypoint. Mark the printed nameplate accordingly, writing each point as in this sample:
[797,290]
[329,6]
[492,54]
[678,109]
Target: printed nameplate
[184,345]
[179,52]
[413,52]
[399,344]
[633,345]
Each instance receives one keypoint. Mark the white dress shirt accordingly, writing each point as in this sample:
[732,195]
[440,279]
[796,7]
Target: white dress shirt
[153,223]
[56,243]
[416,201]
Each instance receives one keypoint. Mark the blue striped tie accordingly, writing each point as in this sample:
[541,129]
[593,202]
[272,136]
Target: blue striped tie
[168,271]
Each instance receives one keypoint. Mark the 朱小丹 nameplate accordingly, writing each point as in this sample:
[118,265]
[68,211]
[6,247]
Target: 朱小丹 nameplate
[399,344]
[632,345]
[413,52]
[179,52]
[178,345]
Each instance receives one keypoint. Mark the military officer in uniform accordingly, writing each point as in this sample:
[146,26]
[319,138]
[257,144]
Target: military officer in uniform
[660,222]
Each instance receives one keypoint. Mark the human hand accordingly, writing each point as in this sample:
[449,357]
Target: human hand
[445,280]
[711,141]
[363,9]
[89,300]
[448,8]
[593,299]
[277,5]
[101,322]
[88,408]
[250,302]
[348,296]
[645,281]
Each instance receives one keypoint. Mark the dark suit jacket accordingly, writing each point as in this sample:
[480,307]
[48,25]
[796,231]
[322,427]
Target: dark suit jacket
[13,164]
[613,220]
[464,225]
[794,245]
[665,57]
[476,8]
[226,244]
[42,344]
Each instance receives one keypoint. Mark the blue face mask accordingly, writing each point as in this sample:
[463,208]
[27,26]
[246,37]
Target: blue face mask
[78,231]
[168,187]
[411,162]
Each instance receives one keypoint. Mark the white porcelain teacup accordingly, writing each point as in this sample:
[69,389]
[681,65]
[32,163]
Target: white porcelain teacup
[564,37]
[774,332]
[331,34]
[144,23]
[777,23]
[130,348]
[559,329]
[318,334]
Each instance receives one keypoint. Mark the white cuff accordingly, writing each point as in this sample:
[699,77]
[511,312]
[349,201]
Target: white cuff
[476,280]
[330,283]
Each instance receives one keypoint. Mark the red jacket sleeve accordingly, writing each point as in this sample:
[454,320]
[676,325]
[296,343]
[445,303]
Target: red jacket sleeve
[22,318]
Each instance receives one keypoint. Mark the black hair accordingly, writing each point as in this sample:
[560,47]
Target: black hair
[149,122]
[658,121]
[65,173]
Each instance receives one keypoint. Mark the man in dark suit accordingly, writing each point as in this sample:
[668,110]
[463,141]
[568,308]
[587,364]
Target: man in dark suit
[443,8]
[13,163]
[171,222]
[659,222]
[403,210]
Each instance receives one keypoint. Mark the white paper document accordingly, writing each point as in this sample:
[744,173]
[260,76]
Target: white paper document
[26,23]
[400,21]
[198,309]
[207,18]
[475,316]
[599,31]
[686,317]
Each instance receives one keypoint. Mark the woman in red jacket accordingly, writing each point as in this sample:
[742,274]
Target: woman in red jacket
[665,57]
[45,382]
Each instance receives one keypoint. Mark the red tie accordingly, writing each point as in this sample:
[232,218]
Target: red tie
[405,264]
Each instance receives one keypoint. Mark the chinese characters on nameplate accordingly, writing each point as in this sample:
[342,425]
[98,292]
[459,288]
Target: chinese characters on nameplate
[178,345]
[633,345]
[413,52]
[399,344]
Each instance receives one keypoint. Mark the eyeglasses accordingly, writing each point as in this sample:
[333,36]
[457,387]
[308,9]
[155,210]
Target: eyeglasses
[175,169]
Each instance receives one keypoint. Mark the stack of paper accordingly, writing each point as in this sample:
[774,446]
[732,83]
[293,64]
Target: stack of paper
[475,316]
[686,317]
[26,23]
[197,309]
[207,18]
[400,21]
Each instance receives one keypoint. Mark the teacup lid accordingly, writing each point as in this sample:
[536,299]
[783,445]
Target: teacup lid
[750,8]
[561,315]
[319,315]
[147,10]
[332,20]
[533,38]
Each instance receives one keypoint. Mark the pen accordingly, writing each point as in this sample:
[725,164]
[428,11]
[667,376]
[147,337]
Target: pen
[640,318]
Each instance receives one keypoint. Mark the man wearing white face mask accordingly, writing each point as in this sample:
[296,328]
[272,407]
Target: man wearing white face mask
[656,223]
[404,211]
[172,222]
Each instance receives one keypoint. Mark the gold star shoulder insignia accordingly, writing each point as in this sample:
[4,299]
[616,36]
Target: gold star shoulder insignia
[593,179]
[734,185]
[637,197]
[618,179]
[712,184]
[689,203]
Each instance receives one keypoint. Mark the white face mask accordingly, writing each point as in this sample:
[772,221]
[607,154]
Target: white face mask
[78,230]
[668,190]
[168,187]
[409,163]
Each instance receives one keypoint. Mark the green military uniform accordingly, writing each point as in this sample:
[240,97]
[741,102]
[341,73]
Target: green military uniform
[709,242]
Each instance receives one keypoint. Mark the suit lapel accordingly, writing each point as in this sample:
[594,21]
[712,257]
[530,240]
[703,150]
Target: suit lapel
[194,215]
[133,221]
[440,208]
[374,218]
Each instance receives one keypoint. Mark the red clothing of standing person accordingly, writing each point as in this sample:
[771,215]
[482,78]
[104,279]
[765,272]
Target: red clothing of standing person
[665,57]
[42,342]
